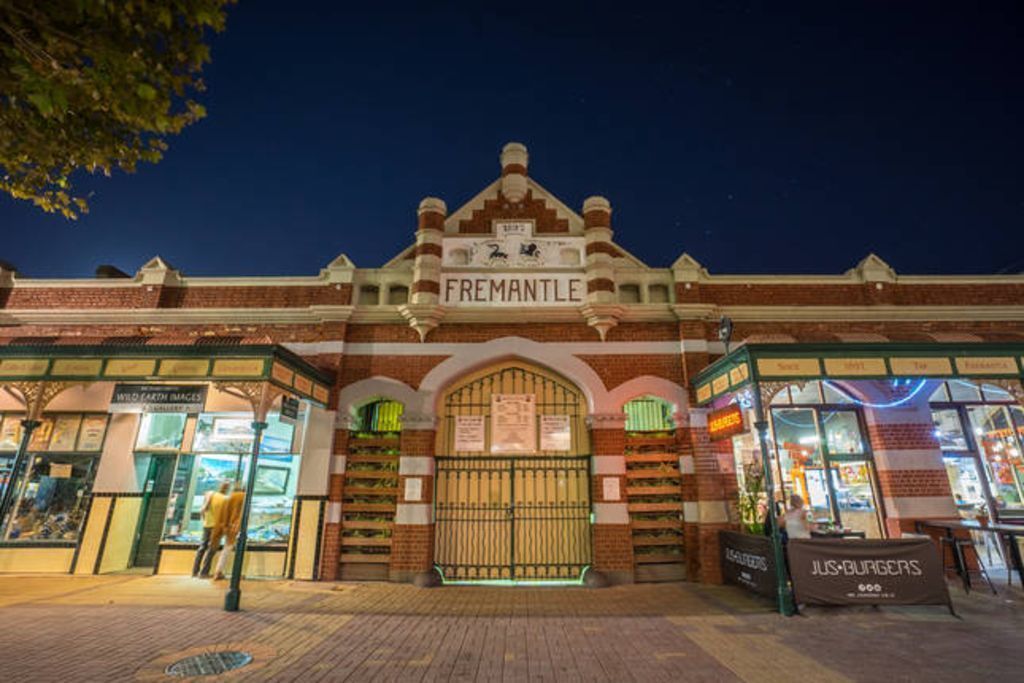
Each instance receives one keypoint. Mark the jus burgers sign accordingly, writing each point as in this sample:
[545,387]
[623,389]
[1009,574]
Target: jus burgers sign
[874,572]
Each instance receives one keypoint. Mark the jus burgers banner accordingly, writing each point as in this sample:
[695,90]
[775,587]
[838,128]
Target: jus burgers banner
[748,561]
[854,572]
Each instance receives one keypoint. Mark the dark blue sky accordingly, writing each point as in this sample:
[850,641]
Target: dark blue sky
[759,138]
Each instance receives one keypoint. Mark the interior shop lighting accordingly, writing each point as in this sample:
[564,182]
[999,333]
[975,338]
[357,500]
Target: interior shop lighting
[896,383]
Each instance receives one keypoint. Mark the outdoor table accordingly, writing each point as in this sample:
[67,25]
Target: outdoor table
[845,533]
[1009,532]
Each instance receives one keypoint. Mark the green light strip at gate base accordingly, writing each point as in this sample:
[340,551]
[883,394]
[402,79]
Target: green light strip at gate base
[512,582]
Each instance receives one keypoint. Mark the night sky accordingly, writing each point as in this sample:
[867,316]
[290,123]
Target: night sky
[775,138]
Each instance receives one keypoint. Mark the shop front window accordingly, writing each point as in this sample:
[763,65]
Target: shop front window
[53,498]
[981,433]
[226,440]
[842,432]
[855,496]
[948,430]
[273,496]
[161,431]
[822,456]
[965,482]
[10,438]
[800,461]
[51,493]
[1000,449]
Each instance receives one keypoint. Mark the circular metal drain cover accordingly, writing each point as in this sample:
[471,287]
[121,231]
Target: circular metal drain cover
[209,663]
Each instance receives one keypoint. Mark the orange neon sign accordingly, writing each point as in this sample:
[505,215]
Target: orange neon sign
[725,422]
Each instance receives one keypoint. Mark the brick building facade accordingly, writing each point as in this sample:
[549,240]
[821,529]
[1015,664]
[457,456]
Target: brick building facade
[514,282]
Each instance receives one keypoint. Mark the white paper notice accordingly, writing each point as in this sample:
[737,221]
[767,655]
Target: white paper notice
[469,432]
[58,471]
[554,433]
[610,488]
[413,489]
[513,423]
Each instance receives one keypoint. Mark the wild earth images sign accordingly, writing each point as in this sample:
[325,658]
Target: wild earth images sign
[158,398]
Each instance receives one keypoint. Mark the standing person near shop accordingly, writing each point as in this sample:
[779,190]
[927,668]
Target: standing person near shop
[795,522]
[232,515]
[211,512]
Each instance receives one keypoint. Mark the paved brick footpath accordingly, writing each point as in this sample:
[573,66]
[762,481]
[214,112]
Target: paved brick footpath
[130,628]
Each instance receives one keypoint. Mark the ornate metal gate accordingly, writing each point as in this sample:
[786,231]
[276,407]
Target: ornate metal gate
[522,517]
[516,518]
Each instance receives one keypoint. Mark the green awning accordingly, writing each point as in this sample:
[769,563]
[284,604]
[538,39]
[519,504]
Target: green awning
[795,362]
[163,363]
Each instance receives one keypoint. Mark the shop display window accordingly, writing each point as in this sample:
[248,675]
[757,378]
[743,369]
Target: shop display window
[10,431]
[842,432]
[52,499]
[806,394]
[161,431]
[57,432]
[796,436]
[833,395]
[822,455]
[232,433]
[961,391]
[965,482]
[1000,449]
[948,430]
[855,497]
[270,517]
[984,427]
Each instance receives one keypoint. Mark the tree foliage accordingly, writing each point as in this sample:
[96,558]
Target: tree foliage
[95,85]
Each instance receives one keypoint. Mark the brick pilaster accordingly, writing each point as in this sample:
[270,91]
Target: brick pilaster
[331,546]
[706,485]
[912,477]
[612,535]
[412,537]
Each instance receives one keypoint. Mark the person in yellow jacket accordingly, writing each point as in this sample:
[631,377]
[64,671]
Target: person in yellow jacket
[231,523]
[211,512]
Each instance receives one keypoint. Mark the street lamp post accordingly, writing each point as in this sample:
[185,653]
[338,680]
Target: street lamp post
[27,426]
[234,594]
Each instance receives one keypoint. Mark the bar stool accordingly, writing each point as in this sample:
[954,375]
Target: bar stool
[958,546]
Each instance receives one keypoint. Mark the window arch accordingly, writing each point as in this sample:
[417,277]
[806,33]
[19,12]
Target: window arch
[648,414]
[381,415]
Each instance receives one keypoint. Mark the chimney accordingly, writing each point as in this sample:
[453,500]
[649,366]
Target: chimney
[514,162]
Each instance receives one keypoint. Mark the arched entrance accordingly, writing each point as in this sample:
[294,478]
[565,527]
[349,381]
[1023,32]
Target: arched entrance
[512,474]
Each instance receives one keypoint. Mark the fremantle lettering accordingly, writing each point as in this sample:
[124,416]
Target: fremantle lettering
[512,290]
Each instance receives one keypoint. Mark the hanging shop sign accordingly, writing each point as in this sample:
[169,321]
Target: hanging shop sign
[725,423]
[289,410]
[748,561]
[513,423]
[469,433]
[905,571]
[554,433]
[158,398]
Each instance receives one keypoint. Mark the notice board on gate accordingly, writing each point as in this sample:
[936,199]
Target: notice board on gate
[905,571]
